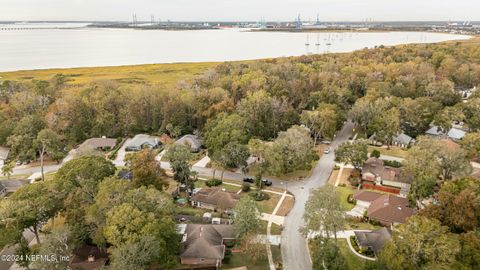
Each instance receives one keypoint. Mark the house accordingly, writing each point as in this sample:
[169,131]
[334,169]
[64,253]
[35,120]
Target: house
[365,198]
[204,245]
[99,144]
[3,155]
[403,140]
[390,210]
[215,199]
[11,185]
[386,209]
[88,258]
[455,133]
[142,141]
[376,175]
[192,141]
[373,240]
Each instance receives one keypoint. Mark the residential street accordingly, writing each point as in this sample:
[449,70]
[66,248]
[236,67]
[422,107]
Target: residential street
[295,253]
[294,249]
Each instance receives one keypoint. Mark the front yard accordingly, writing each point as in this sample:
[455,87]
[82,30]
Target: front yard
[394,151]
[343,193]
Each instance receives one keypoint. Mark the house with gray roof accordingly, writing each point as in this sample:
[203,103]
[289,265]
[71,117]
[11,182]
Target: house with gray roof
[454,133]
[204,245]
[192,141]
[403,140]
[373,240]
[142,141]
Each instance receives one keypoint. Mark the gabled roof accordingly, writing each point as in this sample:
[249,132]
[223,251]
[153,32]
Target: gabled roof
[206,241]
[391,209]
[375,240]
[366,196]
[142,139]
[95,143]
[217,197]
[456,134]
[191,141]
[403,139]
[376,167]
[4,152]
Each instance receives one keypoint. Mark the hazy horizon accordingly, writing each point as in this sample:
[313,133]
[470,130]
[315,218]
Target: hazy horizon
[234,10]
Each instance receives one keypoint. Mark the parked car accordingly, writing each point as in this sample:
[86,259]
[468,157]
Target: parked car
[327,151]
[249,180]
[267,182]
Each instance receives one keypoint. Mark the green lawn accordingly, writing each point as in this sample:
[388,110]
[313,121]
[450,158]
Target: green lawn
[353,224]
[269,205]
[354,262]
[274,230]
[344,192]
[239,259]
[394,151]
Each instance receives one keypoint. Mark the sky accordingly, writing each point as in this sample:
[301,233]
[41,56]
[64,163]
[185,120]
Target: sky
[241,10]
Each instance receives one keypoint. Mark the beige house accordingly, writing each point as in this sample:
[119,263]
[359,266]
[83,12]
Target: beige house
[215,199]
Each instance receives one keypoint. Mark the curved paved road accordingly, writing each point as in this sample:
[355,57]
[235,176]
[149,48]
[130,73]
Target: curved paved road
[295,253]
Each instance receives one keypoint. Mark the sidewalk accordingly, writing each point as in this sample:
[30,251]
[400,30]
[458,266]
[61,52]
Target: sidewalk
[269,228]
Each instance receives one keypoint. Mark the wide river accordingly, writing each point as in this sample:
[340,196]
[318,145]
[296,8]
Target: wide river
[87,47]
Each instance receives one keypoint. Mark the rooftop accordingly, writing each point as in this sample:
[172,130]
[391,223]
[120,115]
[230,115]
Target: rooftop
[95,143]
[375,240]
[216,196]
[390,209]
[206,241]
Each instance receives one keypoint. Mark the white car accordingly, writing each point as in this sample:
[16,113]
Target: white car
[327,151]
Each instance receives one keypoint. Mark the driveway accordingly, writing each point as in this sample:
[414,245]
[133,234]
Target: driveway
[295,252]
[119,160]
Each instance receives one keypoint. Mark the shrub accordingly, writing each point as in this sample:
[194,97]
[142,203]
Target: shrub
[393,163]
[375,153]
[354,181]
[246,187]
[260,196]
[350,199]
[214,182]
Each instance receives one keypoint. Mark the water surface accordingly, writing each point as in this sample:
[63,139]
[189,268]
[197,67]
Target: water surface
[76,46]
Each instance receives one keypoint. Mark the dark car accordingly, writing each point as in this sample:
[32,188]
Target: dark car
[249,180]
[267,182]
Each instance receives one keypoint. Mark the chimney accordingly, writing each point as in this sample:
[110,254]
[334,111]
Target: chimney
[91,258]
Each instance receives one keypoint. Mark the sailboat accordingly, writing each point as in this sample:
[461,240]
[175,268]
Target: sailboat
[318,40]
[308,41]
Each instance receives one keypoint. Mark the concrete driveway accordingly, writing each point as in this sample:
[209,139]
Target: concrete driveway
[119,160]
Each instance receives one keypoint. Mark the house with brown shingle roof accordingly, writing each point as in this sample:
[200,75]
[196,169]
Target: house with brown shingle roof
[385,178]
[215,199]
[203,245]
[384,208]
[390,210]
